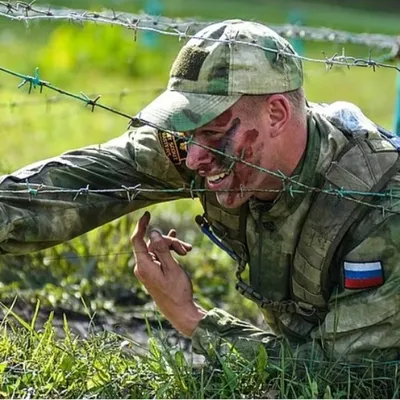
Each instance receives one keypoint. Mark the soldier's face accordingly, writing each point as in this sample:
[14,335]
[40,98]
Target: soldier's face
[241,132]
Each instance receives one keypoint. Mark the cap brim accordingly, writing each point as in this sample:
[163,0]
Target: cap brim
[184,111]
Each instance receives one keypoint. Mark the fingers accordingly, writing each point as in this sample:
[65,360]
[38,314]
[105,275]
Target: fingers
[180,247]
[172,233]
[147,268]
[161,249]
[137,238]
[142,249]
[177,245]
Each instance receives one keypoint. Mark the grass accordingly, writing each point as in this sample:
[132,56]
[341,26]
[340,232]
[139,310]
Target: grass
[90,277]
[38,364]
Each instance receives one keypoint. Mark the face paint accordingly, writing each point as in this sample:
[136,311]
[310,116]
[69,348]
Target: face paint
[226,144]
[242,176]
[245,139]
[251,136]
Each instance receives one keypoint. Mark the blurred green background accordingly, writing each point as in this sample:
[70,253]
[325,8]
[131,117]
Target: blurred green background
[97,59]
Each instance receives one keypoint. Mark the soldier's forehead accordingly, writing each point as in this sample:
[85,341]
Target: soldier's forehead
[222,121]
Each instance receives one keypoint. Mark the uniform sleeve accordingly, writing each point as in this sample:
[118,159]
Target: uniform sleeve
[218,329]
[39,220]
[365,322]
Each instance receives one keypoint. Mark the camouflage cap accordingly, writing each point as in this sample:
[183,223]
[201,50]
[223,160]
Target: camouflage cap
[212,71]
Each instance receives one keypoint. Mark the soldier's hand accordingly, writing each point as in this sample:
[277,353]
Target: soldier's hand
[163,277]
[179,246]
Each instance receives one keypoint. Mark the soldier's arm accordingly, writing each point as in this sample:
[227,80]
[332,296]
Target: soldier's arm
[365,322]
[36,221]
[218,330]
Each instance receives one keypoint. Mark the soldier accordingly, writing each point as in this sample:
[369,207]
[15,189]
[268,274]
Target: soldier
[324,268]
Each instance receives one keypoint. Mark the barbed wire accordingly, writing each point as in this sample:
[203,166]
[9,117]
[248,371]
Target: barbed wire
[35,82]
[24,11]
[295,187]
[49,101]
[290,184]
[186,29]
[14,10]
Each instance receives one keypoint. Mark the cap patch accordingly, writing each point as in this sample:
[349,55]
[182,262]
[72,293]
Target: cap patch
[362,275]
[174,147]
[188,63]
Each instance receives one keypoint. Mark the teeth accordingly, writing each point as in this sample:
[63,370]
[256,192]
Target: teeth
[214,178]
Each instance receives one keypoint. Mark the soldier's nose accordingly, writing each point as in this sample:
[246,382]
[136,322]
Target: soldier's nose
[196,156]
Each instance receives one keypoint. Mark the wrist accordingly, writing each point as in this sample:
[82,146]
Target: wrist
[190,320]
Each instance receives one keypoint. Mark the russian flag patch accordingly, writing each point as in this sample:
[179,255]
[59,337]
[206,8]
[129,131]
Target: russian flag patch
[362,275]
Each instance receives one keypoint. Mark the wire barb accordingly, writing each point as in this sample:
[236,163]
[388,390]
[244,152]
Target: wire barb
[191,190]
[82,191]
[31,191]
[131,196]
[90,102]
[181,28]
[34,81]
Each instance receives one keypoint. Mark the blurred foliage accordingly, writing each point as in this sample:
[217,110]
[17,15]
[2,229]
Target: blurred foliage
[97,268]
[108,49]
[97,59]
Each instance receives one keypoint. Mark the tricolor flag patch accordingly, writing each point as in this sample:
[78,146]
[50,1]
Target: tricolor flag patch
[362,275]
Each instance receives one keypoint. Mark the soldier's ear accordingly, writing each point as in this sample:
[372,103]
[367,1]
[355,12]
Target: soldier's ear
[279,111]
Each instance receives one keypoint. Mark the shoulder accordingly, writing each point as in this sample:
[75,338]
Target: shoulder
[376,236]
[171,145]
[158,153]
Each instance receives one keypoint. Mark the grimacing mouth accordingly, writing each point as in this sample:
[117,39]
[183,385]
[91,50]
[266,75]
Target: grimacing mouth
[218,177]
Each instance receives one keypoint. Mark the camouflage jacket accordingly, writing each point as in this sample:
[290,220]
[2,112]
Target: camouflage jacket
[358,322]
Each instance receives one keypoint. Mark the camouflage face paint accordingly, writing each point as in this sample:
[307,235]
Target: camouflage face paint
[251,137]
[235,134]
[226,144]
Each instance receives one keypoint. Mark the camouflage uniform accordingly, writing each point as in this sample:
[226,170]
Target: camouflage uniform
[207,78]
[363,323]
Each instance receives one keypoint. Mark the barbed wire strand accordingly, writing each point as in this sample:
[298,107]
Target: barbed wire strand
[37,82]
[183,28]
[290,184]
[22,11]
[54,100]
[72,257]
[132,192]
